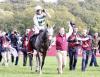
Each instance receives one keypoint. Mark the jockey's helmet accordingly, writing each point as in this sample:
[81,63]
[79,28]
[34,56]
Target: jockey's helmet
[38,8]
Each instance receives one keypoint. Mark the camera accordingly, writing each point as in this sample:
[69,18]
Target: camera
[43,10]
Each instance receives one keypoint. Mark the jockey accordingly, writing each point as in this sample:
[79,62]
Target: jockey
[39,19]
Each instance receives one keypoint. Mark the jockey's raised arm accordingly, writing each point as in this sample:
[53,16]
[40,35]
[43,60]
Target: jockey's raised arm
[45,13]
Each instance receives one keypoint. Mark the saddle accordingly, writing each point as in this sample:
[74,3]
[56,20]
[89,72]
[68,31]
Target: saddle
[34,38]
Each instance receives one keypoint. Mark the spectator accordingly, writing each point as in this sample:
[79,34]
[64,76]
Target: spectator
[95,47]
[61,47]
[14,43]
[73,46]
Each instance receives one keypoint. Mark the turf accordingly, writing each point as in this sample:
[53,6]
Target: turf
[49,70]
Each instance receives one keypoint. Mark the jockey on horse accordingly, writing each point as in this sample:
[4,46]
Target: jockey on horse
[39,20]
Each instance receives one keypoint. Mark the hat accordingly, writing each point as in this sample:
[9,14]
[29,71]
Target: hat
[38,8]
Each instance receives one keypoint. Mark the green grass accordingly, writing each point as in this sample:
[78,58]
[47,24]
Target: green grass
[49,70]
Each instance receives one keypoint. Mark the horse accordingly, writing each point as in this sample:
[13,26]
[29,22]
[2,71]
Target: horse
[41,43]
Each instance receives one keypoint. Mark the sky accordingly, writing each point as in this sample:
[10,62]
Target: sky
[2,0]
[49,1]
[52,1]
[81,0]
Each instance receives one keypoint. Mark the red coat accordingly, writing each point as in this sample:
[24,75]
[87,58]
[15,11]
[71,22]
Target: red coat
[86,45]
[29,45]
[61,42]
[25,41]
[72,41]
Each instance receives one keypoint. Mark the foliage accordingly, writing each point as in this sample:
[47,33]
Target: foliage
[20,13]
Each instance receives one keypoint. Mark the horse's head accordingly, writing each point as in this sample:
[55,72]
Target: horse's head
[47,34]
[50,31]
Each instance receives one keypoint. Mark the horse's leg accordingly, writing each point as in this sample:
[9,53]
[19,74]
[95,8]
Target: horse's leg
[43,59]
[37,63]
[40,61]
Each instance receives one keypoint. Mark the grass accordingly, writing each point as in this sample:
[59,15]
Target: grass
[49,70]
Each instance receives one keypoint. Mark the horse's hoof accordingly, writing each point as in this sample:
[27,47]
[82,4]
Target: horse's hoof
[39,72]
[36,70]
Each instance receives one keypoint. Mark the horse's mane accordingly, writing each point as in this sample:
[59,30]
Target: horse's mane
[44,35]
[45,41]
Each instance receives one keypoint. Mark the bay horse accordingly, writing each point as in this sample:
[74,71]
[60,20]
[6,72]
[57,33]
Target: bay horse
[41,43]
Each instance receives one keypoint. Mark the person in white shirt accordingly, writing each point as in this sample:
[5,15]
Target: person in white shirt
[39,19]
